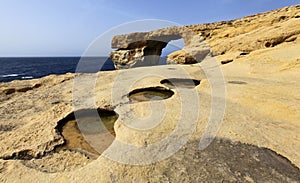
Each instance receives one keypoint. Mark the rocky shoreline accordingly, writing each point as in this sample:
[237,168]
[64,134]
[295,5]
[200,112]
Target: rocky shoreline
[258,139]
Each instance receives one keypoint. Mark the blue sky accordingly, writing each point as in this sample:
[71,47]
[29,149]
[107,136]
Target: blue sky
[67,27]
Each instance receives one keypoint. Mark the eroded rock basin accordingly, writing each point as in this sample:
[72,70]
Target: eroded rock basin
[180,83]
[87,127]
[80,131]
[149,94]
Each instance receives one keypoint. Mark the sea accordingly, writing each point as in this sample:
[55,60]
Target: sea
[23,68]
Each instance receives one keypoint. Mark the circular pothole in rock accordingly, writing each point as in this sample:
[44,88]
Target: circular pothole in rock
[180,82]
[89,125]
[150,94]
[76,150]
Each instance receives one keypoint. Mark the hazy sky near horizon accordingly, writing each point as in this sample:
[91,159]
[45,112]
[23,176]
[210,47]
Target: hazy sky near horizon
[67,27]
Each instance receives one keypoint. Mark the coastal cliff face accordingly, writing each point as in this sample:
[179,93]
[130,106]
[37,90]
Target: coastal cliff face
[258,139]
[236,37]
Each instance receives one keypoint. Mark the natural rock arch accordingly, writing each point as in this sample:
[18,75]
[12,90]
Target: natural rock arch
[144,48]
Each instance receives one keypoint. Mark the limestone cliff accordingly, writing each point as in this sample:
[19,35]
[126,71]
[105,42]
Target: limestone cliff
[236,37]
[144,48]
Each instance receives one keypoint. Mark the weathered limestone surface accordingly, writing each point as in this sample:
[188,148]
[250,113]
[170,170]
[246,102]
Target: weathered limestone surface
[258,140]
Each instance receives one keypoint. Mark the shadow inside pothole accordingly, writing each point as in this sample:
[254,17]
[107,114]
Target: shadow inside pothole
[180,82]
[149,94]
[228,161]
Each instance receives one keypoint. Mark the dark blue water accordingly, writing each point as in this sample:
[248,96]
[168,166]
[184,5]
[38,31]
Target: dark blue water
[36,67]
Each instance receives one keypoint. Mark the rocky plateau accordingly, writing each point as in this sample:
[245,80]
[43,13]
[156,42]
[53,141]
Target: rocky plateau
[257,140]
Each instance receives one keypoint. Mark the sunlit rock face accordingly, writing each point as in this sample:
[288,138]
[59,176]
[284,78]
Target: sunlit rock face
[228,39]
[142,53]
[144,48]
